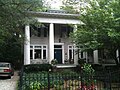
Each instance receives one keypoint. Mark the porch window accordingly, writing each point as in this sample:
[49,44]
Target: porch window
[31,54]
[44,54]
[38,52]
[70,54]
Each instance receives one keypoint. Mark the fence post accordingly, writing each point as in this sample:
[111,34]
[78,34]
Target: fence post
[49,79]
[110,80]
[81,79]
[21,81]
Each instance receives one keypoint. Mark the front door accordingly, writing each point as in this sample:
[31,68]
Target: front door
[58,53]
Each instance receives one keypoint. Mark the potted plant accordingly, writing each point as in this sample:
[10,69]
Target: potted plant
[54,61]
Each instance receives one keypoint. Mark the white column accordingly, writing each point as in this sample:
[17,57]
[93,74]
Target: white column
[51,42]
[95,55]
[27,45]
[117,54]
[75,51]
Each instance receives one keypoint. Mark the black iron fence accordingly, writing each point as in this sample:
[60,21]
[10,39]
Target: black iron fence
[69,81]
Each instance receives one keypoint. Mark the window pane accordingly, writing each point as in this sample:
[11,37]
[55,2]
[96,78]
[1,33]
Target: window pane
[44,54]
[44,46]
[69,30]
[31,54]
[37,46]
[45,32]
[81,54]
[70,54]
[70,46]
[31,46]
[37,53]
[39,32]
[57,46]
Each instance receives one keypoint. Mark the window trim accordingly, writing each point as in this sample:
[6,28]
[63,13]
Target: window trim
[73,48]
[42,48]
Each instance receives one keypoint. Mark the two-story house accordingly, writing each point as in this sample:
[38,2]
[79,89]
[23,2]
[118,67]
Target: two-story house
[50,39]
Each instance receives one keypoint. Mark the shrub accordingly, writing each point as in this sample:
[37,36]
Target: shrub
[54,61]
[88,70]
[81,61]
[37,67]
[35,86]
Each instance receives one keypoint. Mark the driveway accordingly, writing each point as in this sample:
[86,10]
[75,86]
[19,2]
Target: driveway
[9,84]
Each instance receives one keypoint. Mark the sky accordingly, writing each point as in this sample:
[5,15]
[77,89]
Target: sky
[55,4]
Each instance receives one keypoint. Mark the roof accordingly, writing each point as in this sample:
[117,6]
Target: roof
[55,14]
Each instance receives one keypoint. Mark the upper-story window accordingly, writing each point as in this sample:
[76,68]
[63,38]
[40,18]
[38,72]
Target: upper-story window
[40,30]
[66,30]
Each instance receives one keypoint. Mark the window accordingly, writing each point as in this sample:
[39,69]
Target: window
[71,52]
[35,31]
[106,54]
[45,32]
[38,52]
[66,30]
[40,30]
[44,54]
[31,54]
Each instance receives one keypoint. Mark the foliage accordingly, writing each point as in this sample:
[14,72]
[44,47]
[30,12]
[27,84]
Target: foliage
[100,26]
[88,70]
[37,67]
[35,86]
[13,17]
[66,71]
[81,61]
[36,80]
[54,61]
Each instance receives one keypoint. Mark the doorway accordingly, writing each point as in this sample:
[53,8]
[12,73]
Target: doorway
[58,53]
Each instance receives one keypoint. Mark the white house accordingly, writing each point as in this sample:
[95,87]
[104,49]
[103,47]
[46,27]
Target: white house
[50,40]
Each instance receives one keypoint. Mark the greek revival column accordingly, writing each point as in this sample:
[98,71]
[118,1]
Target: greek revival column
[27,45]
[95,55]
[75,50]
[51,42]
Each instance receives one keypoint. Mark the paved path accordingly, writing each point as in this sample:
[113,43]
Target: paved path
[9,84]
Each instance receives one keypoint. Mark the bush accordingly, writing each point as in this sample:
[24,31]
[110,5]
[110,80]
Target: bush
[37,67]
[54,61]
[97,67]
[35,86]
[81,61]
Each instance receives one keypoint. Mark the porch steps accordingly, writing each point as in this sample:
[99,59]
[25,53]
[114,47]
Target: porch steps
[60,66]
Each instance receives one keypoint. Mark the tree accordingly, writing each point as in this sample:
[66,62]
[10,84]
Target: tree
[100,28]
[13,16]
